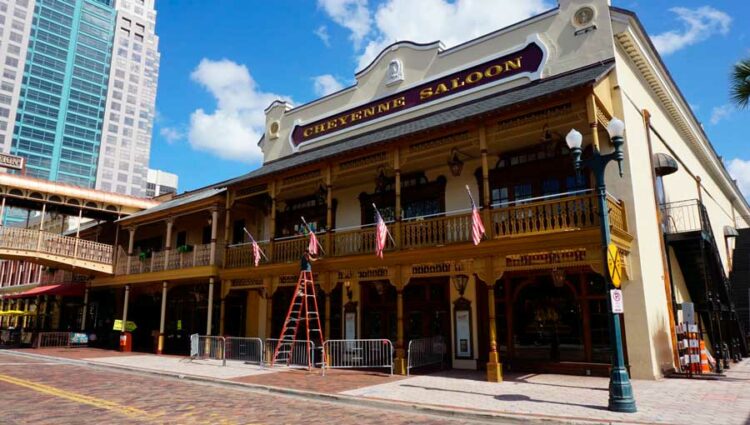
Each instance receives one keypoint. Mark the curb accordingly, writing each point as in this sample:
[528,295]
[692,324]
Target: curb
[376,403]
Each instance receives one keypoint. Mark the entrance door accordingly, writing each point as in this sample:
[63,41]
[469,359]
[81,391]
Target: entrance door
[378,310]
[547,322]
[427,310]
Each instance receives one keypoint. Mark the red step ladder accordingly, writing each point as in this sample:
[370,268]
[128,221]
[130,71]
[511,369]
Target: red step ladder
[303,308]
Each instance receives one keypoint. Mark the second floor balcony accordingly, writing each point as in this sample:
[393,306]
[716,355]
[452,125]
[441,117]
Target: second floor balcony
[546,215]
[185,257]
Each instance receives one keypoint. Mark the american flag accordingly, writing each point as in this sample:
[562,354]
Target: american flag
[313,247]
[256,253]
[477,227]
[381,235]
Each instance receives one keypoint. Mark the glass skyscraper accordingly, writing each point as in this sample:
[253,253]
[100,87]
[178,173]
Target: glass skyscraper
[63,95]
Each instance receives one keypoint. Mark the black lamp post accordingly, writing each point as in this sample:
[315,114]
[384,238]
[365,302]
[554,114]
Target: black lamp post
[620,391]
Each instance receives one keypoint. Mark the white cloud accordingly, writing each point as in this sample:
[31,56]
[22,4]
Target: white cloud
[719,113]
[326,84]
[350,14]
[740,170]
[171,134]
[699,24]
[451,22]
[322,33]
[234,128]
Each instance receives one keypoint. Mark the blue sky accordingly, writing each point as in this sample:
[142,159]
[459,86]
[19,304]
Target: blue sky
[222,62]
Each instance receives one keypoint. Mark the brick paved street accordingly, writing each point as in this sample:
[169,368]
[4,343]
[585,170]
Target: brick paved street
[41,392]
[556,398]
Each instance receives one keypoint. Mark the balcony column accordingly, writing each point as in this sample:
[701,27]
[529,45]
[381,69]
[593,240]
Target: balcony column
[41,228]
[397,206]
[214,226]
[227,229]
[131,242]
[272,232]
[162,318]
[168,243]
[485,178]
[329,212]
[85,308]
[2,212]
[209,318]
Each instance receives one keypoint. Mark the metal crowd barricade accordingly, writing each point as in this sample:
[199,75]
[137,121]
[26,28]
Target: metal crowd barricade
[299,350]
[53,339]
[424,352]
[248,350]
[358,354]
[208,348]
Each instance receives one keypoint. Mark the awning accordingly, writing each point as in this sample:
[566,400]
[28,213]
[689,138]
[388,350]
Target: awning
[63,289]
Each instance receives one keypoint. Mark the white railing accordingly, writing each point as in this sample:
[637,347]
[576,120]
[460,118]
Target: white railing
[424,352]
[248,350]
[358,354]
[296,353]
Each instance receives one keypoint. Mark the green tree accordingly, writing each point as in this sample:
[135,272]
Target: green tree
[741,83]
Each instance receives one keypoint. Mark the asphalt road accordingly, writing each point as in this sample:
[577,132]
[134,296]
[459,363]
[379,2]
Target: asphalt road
[41,392]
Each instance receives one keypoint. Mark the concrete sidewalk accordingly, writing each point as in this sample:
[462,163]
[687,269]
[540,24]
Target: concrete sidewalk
[532,397]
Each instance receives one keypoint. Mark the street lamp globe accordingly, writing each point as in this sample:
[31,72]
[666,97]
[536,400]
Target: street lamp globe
[616,128]
[574,139]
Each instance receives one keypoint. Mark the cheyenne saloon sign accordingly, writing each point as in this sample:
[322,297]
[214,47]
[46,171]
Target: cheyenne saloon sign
[527,61]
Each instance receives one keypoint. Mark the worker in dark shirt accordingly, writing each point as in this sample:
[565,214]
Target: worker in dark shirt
[306,261]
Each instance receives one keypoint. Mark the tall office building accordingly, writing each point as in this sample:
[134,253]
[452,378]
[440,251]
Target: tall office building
[78,89]
[15,25]
[130,109]
[160,182]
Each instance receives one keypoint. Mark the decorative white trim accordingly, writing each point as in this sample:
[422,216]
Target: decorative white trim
[531,39]
[435,45]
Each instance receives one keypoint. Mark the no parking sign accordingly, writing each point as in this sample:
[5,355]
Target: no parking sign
[616,297]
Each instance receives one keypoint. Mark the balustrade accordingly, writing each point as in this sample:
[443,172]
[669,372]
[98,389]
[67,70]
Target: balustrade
[290,249]
[50,243]
[199,255]
[436,231]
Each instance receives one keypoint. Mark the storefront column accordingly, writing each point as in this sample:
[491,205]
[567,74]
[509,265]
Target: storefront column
[210,308]
[399,363]
[162,318]
[125,308]
[494,367]
[25,320]
[85,308]
[2,308]
[268,294]
[224,286]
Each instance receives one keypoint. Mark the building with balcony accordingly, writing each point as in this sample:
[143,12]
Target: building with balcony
[420,126]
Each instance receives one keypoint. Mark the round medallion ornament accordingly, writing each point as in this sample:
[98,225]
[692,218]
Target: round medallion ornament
[273,129]
[584,16]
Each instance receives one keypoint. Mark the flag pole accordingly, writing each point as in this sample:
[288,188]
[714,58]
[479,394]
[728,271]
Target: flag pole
[386,227]
[317,242]
[253,240]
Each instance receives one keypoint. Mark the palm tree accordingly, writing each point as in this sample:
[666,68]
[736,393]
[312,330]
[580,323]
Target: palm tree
[741,83]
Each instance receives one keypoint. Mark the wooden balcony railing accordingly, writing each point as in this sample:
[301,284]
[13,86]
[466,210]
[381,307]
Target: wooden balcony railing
[357,242]
[242,255]
[566,212]
[164,260]
[15,238]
